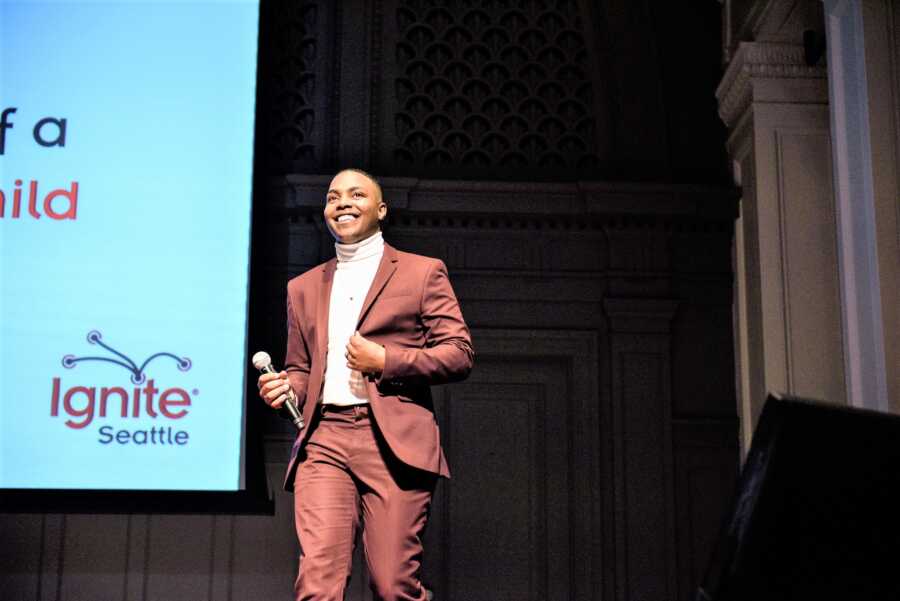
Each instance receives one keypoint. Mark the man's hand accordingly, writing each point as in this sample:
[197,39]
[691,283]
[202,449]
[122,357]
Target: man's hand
[273,388]
[364,355]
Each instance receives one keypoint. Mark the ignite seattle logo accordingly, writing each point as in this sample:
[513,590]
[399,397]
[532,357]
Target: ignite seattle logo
[80,405]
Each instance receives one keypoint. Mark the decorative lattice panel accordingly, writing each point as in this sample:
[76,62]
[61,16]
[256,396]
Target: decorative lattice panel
[496,84]
[291,120]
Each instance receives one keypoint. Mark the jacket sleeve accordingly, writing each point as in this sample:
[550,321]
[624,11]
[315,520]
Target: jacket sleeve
[447,355]
[296,358]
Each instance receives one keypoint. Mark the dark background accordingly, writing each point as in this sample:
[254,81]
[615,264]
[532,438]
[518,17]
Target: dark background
[566,161]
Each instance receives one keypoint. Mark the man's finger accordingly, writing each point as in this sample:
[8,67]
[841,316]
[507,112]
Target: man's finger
[277,391]
[273,388]
[272,384]
[264,378]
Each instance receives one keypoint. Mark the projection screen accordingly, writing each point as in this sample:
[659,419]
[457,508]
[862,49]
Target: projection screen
[126,154]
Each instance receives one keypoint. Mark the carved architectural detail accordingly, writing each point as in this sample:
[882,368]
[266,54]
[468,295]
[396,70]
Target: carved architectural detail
[760,60]
[505,85]
[515,201]
[291,120]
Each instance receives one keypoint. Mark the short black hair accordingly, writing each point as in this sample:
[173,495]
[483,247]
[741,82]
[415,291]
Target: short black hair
[371,178]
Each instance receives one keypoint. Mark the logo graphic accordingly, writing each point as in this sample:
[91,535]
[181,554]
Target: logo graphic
[146,404]
[137,372]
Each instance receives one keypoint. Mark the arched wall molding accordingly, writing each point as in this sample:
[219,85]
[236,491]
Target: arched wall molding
[295,191]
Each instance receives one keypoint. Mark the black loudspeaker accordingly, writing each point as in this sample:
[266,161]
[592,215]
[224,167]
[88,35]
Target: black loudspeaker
[816,515]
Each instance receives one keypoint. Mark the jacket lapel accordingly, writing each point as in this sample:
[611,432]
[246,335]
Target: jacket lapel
[322,307]
[386,269]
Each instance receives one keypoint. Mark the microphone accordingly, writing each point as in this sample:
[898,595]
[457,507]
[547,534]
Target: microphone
[263,362]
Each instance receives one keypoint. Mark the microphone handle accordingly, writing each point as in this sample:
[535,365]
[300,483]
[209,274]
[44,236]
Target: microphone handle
[291,404]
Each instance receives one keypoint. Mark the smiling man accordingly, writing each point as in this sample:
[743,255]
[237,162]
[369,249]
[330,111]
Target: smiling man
[368,333]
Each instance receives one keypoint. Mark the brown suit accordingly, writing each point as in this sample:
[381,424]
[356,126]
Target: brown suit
[412,312]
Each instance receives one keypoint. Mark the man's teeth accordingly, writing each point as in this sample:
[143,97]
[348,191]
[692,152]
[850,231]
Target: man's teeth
[344,218]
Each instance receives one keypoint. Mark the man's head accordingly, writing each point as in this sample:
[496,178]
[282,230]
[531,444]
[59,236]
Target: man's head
[354,206]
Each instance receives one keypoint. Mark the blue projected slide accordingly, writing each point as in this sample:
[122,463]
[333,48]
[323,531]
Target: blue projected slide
[126,145]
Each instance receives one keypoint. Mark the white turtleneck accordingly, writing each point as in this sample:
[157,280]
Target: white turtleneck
[353,275]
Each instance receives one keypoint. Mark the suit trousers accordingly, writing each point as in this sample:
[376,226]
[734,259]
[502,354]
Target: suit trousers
[346,474]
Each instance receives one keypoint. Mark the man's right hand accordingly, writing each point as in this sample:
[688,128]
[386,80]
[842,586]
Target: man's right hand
[273,388]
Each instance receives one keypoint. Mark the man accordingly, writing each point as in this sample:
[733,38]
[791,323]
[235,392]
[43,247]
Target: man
[368,332]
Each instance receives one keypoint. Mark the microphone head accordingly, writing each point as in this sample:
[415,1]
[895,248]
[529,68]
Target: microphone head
[261,359]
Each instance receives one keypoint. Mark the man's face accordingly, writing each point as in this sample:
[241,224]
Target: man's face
[353,207]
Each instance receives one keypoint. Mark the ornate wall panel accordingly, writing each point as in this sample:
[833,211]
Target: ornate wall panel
[641,394]
[511,430]
[495,89]
[530,90]
[295,85]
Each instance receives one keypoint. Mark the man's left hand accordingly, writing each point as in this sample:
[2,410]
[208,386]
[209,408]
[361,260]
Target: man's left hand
[364,355]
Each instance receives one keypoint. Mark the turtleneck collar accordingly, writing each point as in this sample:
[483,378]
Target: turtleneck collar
[370,247]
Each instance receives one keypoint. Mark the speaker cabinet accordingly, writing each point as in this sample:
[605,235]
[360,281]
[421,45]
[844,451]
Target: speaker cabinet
[816,513]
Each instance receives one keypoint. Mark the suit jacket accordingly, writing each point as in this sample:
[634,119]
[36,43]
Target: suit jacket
[412,312]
